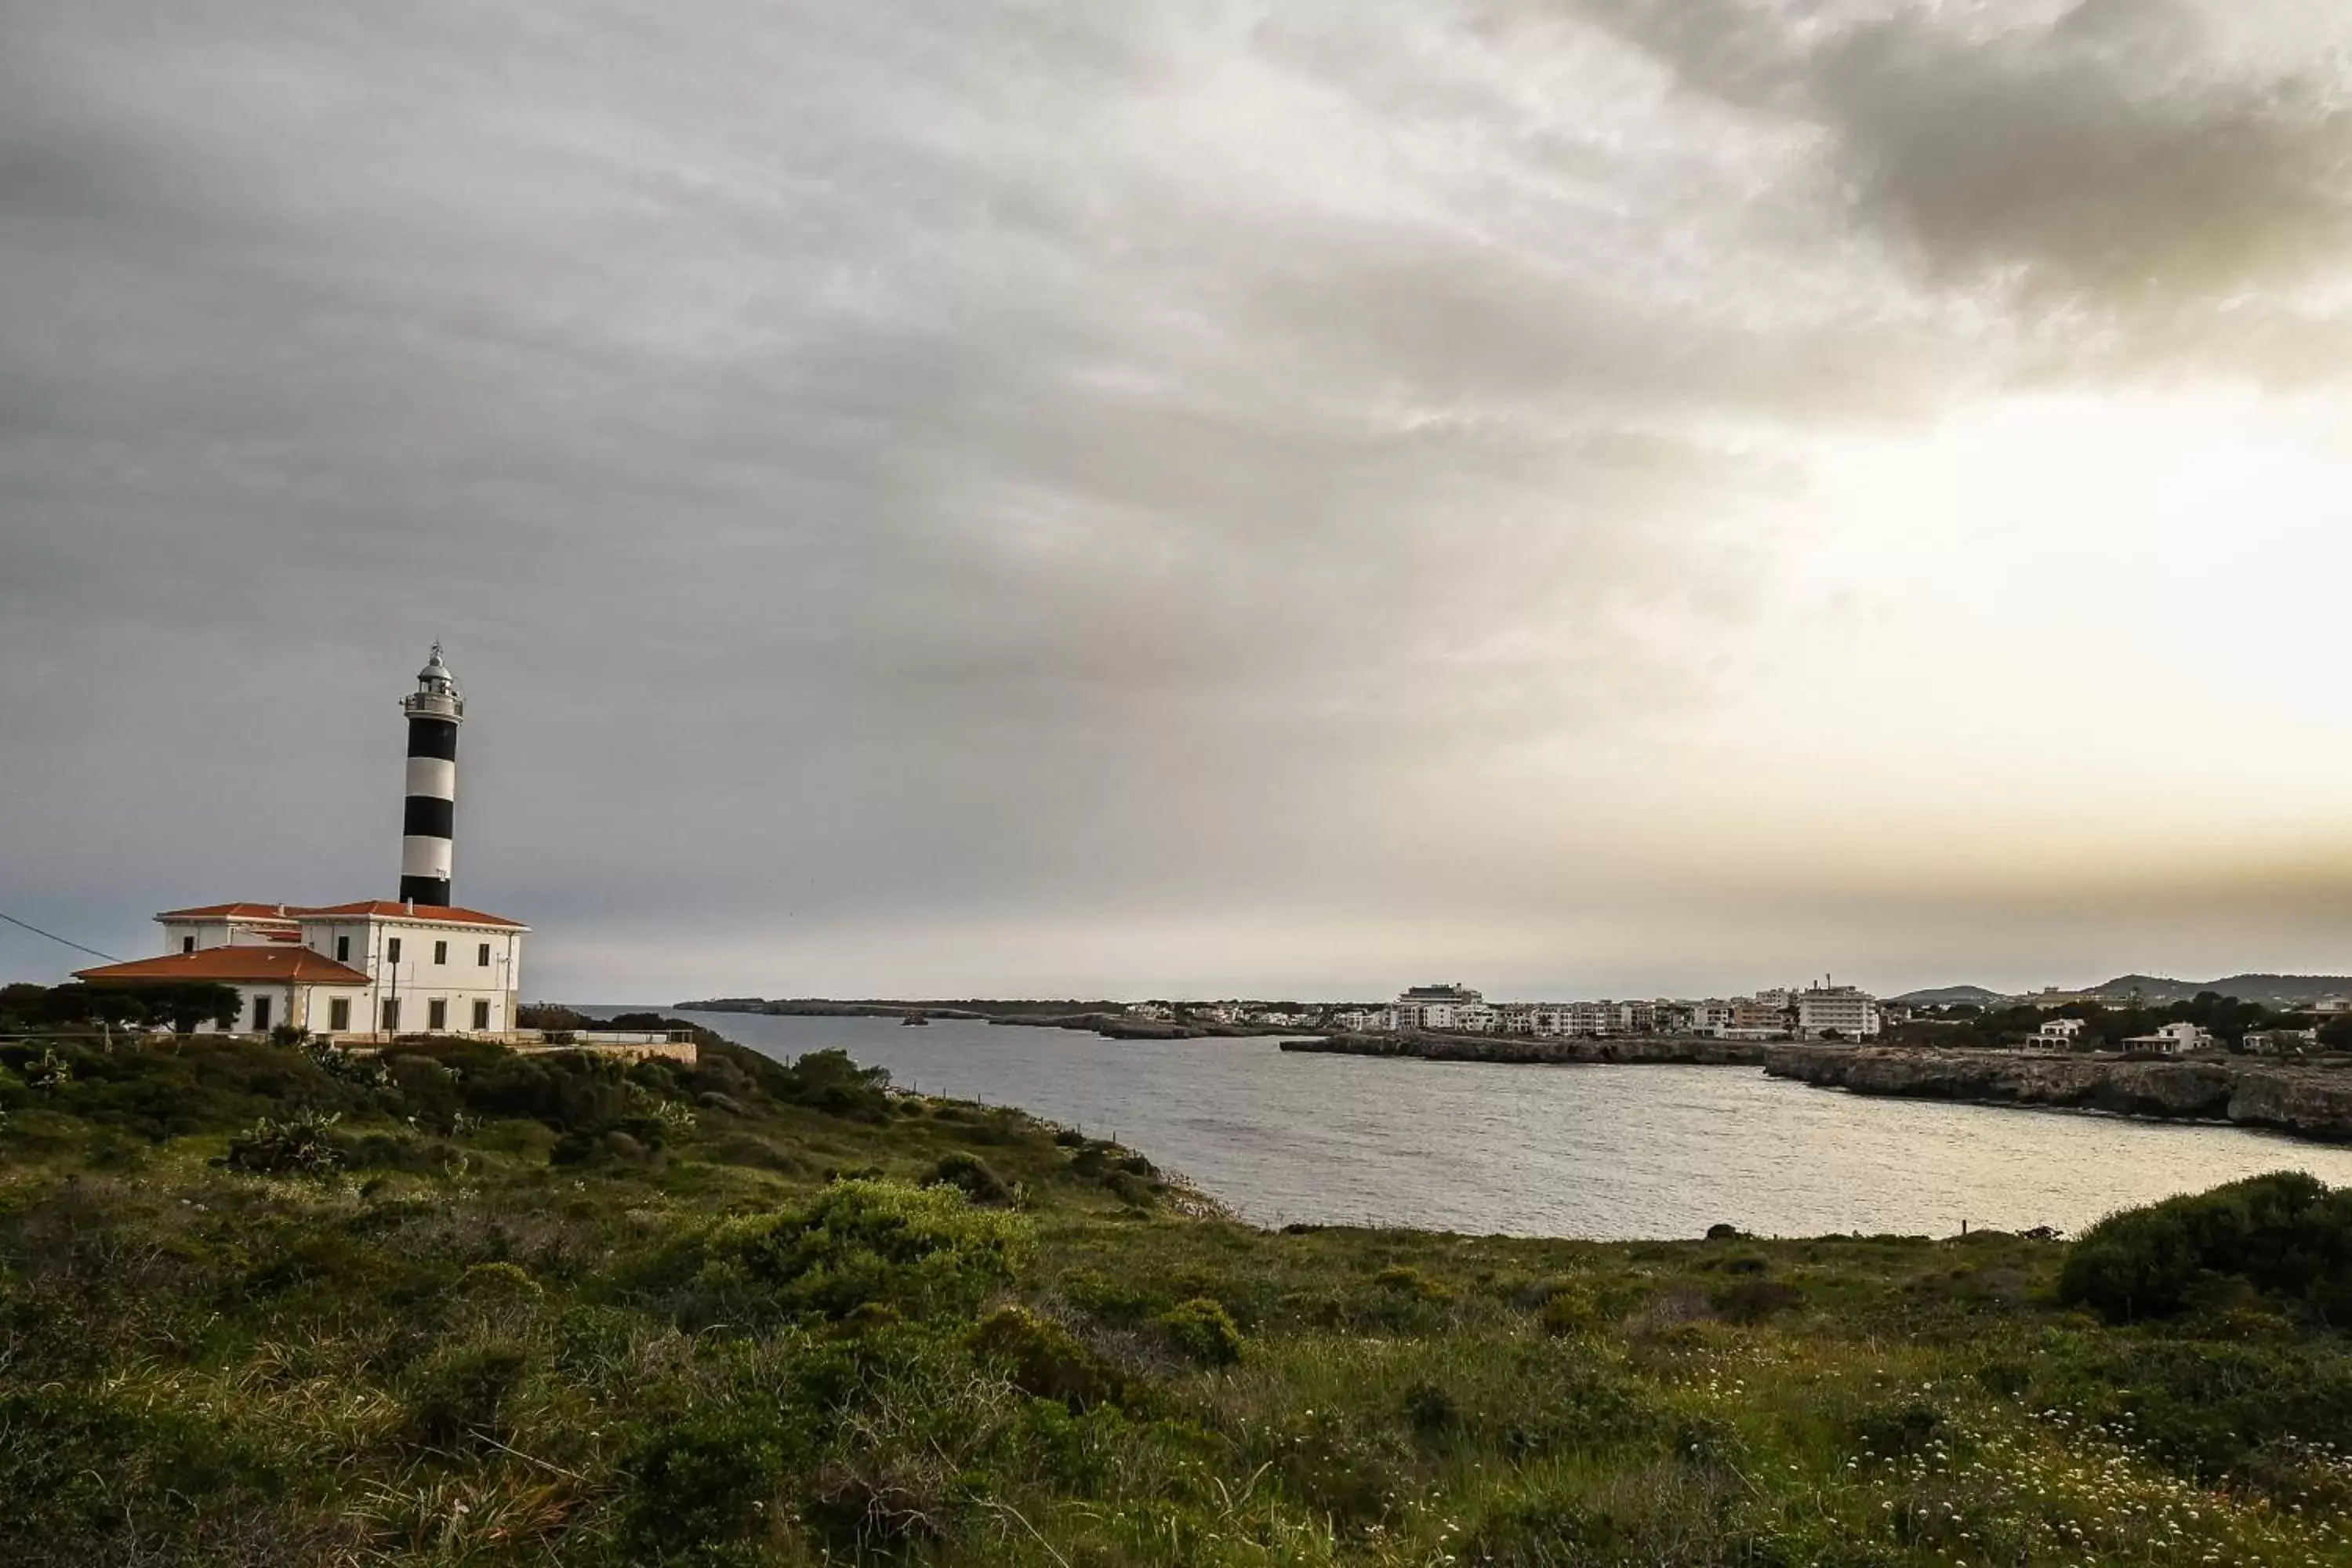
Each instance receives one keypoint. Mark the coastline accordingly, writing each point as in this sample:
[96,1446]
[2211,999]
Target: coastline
[2302,1102]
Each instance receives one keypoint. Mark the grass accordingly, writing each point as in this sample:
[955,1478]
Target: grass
[263,1305]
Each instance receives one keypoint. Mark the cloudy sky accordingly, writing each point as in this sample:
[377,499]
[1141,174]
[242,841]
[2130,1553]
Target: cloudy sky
[1578,496]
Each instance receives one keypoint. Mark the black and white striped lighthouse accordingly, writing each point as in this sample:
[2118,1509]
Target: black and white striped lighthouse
[428,825]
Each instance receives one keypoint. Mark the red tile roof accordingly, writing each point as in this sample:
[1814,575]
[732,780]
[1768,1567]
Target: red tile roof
[388,910]
[384,908]
[231,912]
[255,965]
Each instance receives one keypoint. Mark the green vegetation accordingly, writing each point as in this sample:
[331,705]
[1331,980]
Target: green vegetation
[2228,1018]
[277,1304]
[182,1005]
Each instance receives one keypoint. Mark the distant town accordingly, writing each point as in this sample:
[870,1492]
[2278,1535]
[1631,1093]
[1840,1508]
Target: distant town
[2175,1022]
[1822,1011]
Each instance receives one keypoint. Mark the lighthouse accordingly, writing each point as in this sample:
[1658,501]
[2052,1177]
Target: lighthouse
[428,825]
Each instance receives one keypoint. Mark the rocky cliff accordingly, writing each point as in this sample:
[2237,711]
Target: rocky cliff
[2309,1102]
[2314,1102]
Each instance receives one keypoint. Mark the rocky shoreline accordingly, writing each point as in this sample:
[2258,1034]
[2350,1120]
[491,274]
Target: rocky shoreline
[1652,1051]
[2312,1103]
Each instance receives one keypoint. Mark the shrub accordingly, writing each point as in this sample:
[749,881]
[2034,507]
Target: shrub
[1430,1410]
[461,1391]
[367,1072]
[297,1145]
[1129,1189]
[920,1249]
[1751,1300]
[970,1175]
[1407,1281]
[2285,1233]
[1202,1332]
[500,1281]
[708,1491]
[1044,1359]
[1567,1309]
[1896,1430]
[832,1082]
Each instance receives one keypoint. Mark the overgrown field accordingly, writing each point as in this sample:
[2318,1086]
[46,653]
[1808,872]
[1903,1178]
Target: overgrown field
[271,1305]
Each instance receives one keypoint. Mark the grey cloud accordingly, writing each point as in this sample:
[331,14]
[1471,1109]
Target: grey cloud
[2095,162]
[895,462]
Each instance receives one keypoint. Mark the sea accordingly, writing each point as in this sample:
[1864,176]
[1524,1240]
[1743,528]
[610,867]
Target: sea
[1602,1152]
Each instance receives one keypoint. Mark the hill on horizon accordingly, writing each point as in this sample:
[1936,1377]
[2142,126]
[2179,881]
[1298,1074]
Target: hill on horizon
[2275,990]
[1951,996]
[2270,990]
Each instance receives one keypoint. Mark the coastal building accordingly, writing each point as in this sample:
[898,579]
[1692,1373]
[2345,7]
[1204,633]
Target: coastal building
[417,965]
[2280,1042]
[1712,1017]
[2056,1035]
[1846,1010]
[1436,1006]
[2059,997]
[1772,1015]
[2173,1040]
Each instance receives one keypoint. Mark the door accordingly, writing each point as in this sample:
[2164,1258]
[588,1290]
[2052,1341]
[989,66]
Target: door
[261,1015]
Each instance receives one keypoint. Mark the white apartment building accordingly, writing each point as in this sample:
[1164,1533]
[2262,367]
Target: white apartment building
[1440,1007]
[1772,1013]
[1713,1016]
[1849,1010]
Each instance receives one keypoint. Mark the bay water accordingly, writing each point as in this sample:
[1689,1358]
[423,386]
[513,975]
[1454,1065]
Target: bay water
[1600,1152]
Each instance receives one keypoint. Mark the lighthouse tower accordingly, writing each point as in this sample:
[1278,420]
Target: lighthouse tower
[429,820]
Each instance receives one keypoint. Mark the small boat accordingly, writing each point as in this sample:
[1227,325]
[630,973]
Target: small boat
[915,1019]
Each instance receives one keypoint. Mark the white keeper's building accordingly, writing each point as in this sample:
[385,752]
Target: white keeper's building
[412,966]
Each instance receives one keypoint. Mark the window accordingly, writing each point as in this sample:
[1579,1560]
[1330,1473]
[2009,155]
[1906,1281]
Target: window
[343,950]
[437,1015]
[482,955]
[391,1014]
[482,1014]
[187,944]
[440,952]
[261,1015]
[338,1014]
[392,951]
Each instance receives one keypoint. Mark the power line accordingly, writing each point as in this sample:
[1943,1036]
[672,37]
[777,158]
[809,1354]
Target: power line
[53,936]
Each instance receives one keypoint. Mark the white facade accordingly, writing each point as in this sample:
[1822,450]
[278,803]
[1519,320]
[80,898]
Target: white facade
[2056,1035]
[1438,1008]
[1713,1016]
[1849,1010]
[453,971]
[2174,1040]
